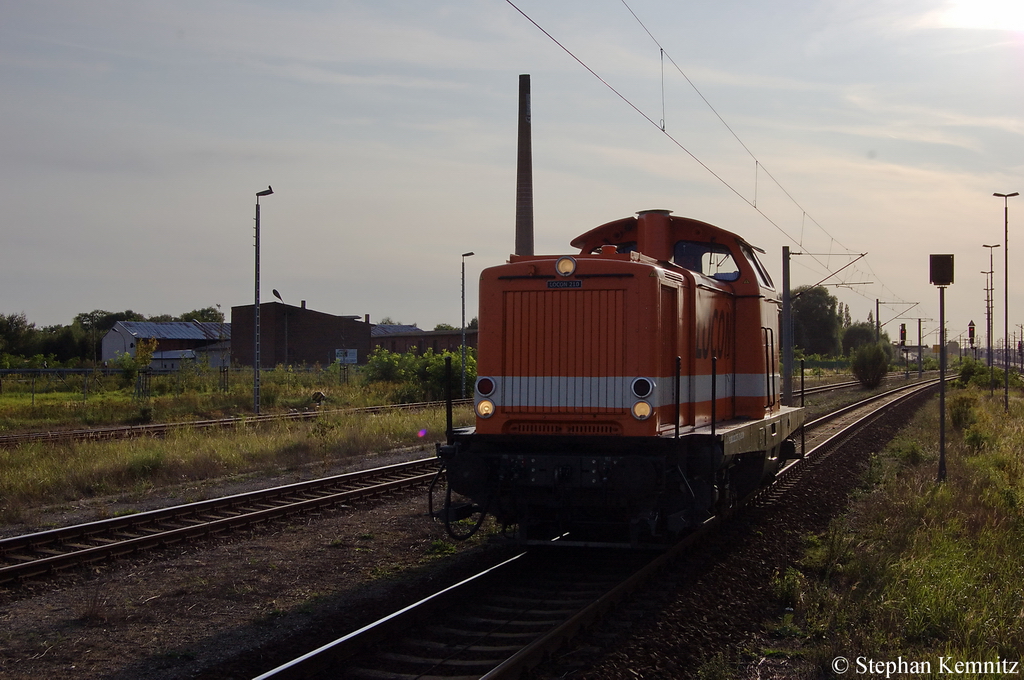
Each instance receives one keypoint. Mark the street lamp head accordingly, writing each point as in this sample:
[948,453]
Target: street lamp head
[277,295]
[469,254]
[267,192]
[1007,195]
[985,245]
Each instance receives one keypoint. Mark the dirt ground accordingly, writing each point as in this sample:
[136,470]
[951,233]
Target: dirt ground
[195,611]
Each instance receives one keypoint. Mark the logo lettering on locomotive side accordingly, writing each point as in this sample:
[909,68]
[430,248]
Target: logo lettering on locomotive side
[565,284]
[713,337]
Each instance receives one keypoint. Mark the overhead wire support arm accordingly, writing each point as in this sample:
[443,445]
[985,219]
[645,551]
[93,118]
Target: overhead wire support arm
[848,284]
[912,305]
[833,274]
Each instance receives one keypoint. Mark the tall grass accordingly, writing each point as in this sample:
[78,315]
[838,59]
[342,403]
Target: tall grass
[187,394]
[920,569]
[38,474]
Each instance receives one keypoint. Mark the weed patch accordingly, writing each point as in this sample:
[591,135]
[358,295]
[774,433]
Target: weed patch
[919,569]
[36,474]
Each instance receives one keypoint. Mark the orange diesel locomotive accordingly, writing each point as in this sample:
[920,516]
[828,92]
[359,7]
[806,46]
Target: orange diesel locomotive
[626,393]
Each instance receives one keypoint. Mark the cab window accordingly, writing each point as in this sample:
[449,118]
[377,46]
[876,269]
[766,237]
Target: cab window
[762,274]
[711,259]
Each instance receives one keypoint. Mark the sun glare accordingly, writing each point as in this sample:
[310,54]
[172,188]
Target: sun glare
[999,15]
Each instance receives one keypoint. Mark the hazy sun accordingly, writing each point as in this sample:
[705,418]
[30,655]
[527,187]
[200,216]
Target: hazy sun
[1003,15]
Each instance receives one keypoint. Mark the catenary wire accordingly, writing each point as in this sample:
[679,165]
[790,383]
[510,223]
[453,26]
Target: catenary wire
[662,127]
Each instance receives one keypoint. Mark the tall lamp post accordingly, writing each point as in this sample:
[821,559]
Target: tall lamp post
[464,256]
[989,304]
[1006,294]
[256,311]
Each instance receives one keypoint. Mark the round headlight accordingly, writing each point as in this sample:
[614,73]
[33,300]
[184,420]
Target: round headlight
[485,408]
[642,410]
[642,387]
[485,386]
[565,266]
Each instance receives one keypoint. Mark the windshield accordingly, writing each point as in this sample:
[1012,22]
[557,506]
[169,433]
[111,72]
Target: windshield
[710,259]
[762,273]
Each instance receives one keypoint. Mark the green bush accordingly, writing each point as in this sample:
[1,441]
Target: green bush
[977,439]
[961,410]
[870,364]
[976,373]
[419,377]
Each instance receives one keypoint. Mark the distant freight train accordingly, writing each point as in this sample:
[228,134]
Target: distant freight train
[625,393]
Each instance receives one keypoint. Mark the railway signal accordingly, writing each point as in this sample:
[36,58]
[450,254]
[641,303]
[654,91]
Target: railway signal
[941,275]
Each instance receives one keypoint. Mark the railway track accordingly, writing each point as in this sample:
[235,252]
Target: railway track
[161,429]
[850,384]
[33,555]
[507,619]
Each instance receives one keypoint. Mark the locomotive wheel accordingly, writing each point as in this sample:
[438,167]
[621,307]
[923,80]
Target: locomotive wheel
[726,494]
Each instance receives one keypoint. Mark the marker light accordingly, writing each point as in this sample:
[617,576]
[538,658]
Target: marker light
[485,386]
[565,266]
[485,408]
[642,410]
[642,387]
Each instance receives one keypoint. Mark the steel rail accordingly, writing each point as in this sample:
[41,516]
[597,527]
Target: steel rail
[843,410]
[818,389]
[319,660]
[39,553]
[329,656]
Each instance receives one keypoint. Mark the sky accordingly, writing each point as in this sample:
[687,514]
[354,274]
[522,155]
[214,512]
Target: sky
[136,133]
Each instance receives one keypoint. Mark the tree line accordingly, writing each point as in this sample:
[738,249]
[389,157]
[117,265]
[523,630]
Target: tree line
[822,325]
[76,345]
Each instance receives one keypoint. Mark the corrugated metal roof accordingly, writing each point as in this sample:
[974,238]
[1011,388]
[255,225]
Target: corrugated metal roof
[391,329]
[175,354]
[178,330]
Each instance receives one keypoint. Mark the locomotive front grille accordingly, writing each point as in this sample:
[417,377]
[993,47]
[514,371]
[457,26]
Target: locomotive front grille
[564,428]
[564,352]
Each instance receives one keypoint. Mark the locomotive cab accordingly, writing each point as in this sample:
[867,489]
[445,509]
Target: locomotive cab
[628,390]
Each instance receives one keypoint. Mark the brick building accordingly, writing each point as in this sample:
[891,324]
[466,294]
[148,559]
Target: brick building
[291,336]
[402,338]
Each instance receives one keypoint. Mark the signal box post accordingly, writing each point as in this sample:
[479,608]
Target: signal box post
[903,348]
[941,275]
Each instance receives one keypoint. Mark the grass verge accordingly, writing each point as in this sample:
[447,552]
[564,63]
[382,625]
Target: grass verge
[40,474]
[919,571]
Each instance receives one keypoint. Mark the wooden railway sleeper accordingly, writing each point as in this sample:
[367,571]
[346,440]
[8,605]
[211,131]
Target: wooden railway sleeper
[488,649]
